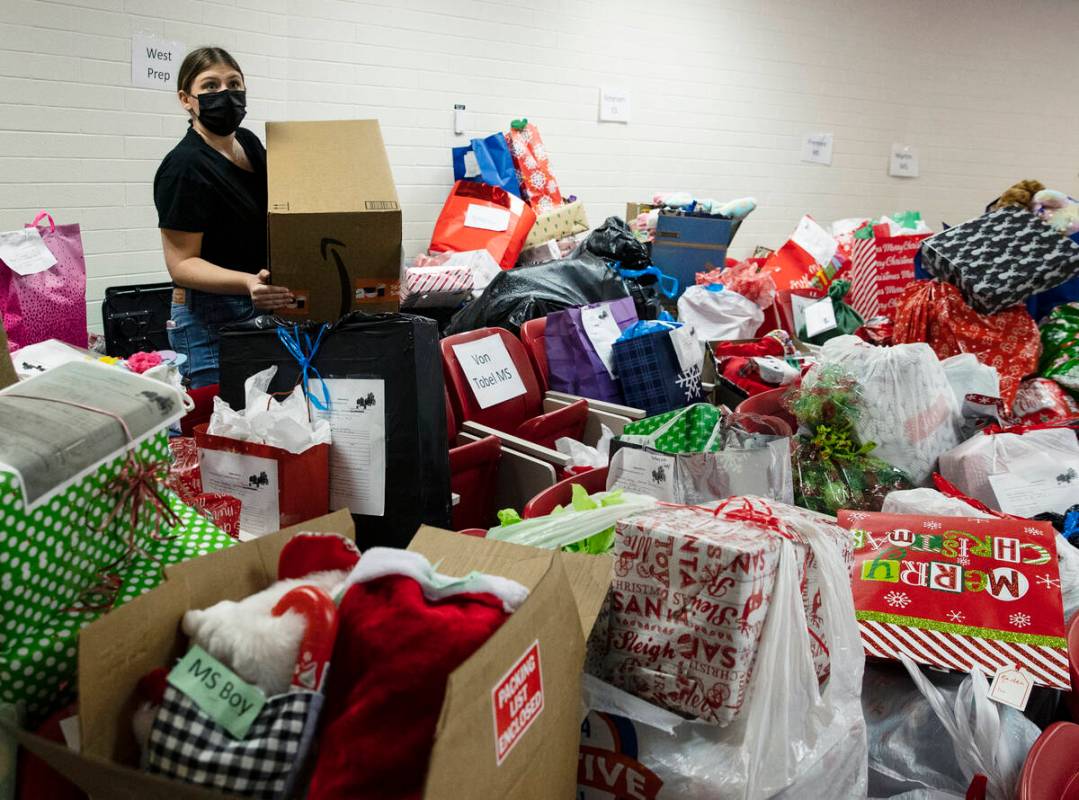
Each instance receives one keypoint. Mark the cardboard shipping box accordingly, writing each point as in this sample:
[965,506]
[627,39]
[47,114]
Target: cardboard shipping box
[479,751]
[334,219]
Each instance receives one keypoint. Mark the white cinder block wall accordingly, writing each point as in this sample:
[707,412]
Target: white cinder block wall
[722,93]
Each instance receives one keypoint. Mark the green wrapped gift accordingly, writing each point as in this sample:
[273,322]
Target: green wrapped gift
[684,430]
[1060,347]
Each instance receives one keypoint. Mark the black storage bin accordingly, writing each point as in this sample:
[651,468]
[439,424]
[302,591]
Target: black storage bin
[402,351]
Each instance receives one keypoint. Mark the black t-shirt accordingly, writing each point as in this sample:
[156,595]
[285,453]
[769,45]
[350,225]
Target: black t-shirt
[198,190]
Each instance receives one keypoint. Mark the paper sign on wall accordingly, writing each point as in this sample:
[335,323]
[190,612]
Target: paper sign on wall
[357,417]
[904,161]
[613,105]
[817,148]
[490,370]
[155,62]
[251,479]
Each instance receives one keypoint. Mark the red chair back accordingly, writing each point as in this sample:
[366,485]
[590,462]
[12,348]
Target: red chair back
[562,492]
[506,416]
[1073,666]
[1051,768]
[473,471]
[533,337]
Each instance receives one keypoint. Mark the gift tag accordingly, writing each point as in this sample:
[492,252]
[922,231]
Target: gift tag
[487,218]
[820,317]
[220,693]
[1033,485]
[1012,686]
[24,251]
[602,331]
[472,167]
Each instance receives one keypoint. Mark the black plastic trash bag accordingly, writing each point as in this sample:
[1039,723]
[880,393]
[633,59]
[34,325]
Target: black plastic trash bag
[518,295]
[614,241]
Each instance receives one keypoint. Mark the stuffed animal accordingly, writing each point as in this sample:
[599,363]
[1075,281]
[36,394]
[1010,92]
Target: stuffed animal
[1059,210]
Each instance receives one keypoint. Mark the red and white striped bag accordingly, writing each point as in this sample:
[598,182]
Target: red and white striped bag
[881,267]
[436,287]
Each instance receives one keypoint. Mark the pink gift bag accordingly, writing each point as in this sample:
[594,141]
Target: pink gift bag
[51,303]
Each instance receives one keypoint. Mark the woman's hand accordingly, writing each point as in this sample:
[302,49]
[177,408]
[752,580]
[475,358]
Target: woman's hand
[265,295]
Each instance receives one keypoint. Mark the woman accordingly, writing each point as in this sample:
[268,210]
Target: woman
[210,193]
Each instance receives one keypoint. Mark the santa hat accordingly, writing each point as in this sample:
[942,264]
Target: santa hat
[404,629]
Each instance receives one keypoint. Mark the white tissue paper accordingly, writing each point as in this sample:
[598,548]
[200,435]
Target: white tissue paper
[929,502]
[285,424]
[584,456]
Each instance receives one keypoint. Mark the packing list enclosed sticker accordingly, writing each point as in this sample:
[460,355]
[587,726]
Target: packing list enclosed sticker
[517,701]
[490,370]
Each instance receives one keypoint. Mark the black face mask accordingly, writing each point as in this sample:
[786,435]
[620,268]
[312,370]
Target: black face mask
[222,112]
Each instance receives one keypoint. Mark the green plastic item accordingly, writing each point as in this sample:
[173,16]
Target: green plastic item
[908,219]
[1060,347]
[519,124]
[602,542]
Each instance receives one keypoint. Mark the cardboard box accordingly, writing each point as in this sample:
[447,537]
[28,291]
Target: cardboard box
[686,245]
[542,761]
[334,219]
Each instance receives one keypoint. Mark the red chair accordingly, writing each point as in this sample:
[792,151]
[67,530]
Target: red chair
[1052,769]
[521,416]
[1073,659]
[533,335]
[203,410]
[473,474]
[561,493]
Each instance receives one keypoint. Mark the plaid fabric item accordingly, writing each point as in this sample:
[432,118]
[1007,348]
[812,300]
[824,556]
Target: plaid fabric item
[651,375]
[187,745]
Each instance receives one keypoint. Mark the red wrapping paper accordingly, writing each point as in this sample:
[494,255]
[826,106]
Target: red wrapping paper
[936,313]
[186,480]
[960,593]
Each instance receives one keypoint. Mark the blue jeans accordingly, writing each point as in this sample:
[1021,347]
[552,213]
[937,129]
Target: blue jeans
[196,332]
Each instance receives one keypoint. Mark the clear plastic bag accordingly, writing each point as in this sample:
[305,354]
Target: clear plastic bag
[793,736]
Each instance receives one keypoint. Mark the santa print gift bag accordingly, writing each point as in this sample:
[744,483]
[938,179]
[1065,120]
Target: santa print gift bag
[960,593]
[48,303]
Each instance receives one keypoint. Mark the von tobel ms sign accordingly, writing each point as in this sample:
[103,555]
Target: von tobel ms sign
[155,62]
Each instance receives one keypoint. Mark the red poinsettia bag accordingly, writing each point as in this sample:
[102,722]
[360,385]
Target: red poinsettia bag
[936,313]
[960,593]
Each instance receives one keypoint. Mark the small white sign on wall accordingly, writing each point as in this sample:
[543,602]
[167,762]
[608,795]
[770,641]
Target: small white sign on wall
[490,370]
[613,105]
[904,161]
[817,148]
[155,61]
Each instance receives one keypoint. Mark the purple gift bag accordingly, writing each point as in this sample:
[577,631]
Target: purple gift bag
[51,303]
[579,343]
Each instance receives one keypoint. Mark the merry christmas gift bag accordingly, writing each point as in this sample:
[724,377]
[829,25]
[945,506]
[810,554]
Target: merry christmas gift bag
[881,266]
[960,593]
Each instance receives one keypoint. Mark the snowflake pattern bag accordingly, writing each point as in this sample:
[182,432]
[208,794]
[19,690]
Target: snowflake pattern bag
[960,593]
[659,365]
[538,185]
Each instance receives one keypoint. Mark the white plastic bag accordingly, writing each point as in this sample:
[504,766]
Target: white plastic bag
[570,526]
[968,375]
[793,736]
[284,424]
[719,315]
[929,502]
[909,407]
[927,739]
[1068,562]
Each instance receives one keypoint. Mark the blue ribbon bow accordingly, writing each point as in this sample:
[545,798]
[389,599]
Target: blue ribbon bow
[304,351]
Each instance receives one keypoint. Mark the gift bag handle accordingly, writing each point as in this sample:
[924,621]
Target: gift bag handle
[44,215]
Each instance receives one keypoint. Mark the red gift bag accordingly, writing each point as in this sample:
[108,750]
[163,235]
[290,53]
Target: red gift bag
[936,313]
[276,488]
[960,593]
[477,216]
[538,185]
[881,267]
[185,479]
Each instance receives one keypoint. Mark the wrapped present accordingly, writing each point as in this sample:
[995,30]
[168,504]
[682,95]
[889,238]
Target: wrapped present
[987,462]
[699,454]
[882,264]
[538,185]
[580,342]
[909,409]
[1042,400]
[185,479]
[1001,258]
[1060,343]
[833,468]
[560,222]
[659,365]
[935,313]
[436,287]
[481,217]
[960,593]
[692,592]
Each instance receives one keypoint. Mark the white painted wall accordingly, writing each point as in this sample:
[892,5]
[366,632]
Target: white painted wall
[722,93]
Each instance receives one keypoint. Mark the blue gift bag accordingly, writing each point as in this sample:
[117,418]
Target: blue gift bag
[487,161]
[659,366]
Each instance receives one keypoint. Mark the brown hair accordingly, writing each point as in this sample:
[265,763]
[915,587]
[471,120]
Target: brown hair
[1021,194]
[201,59]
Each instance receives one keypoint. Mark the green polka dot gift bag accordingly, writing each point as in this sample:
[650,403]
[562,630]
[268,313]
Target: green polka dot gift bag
[75,556]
